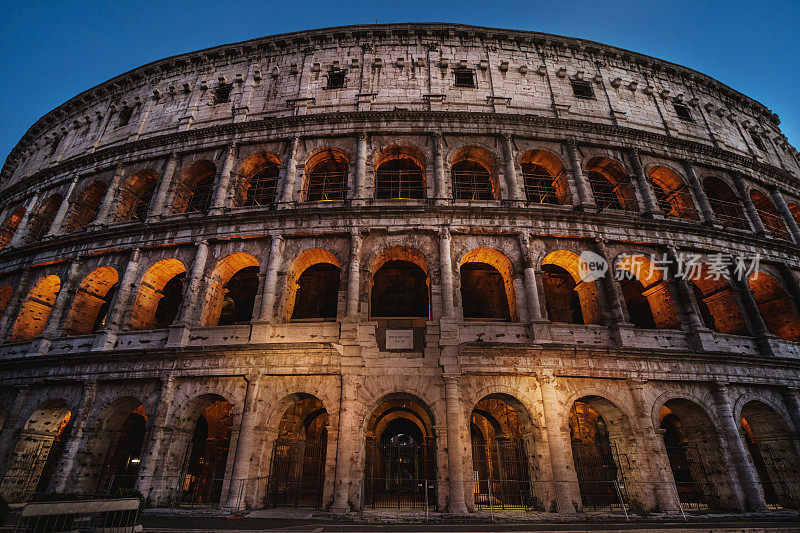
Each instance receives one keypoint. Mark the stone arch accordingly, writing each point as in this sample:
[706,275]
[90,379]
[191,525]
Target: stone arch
[648,297]
[42,220]
[37,451]
[159,296]
[313,272]
[610,184]
[399,172]
[231,290]
[473,174]
[725,203]
[258,180]
[544,178]
[768,213]
[326,173]
[91,302]
[400,282]
[6,292]
[775,306]
[36,308]
[85,206]
[488,293]
[718,305]
[10,225]
[568,298]
[135,196]
[794,209]
[672,193]
[194,188]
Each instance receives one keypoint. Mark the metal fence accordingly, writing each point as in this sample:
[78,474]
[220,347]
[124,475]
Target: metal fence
[108,516]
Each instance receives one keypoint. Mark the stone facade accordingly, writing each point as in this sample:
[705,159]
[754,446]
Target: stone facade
[337,239]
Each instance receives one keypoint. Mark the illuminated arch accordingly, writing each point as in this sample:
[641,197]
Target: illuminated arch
[6,291]
[672,193]
[85,207]
[725,203]
[11,225]
[399,173]
[312,293]
[719,308]
[43,219]
[194,188]
[91,302]
[135,196]
[258,180]
[326,175]
[544,178]
[231,304]
[568,298]
[36,308]
[472,171]
[775,306]
[610,184]
[159,296]
[478,297]
[769,216]
[400,282]
[647,295]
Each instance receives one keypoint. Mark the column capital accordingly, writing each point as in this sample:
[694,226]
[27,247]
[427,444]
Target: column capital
[546,377]
[444,232]
[362,136]
[119,167]
[451,379]
[571,142]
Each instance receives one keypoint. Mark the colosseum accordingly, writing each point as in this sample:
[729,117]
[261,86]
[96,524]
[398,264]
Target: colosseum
[346,268]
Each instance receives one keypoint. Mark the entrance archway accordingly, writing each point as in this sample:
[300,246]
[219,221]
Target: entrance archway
[297,472]
[400,455]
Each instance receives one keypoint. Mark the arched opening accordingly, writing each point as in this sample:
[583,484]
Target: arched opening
[43,219]
[772,221]
[297,471]
[36,308]
[135,196]
[472,175]
[487,286]
[400,174]
[569,300]
[725,204]
[159,297]
[232,289]
[611,186]
[114,449]
[194,189]
[36,454]
[695,458]
[400,286]
[544,178]
[794,209]
[6,291]
[717,303]
[603,451]
[313,286]
[775,306]
[774,454]
[258,181]
[85,207]
[647,296]
[505,473]
[400,455]
[672,194]
[326,176]
[10,226]
[206,456]
[92,301]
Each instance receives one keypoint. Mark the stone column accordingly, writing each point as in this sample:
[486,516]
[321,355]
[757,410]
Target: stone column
[267,313]
[645,189]
[290,173]
[513,184]
[788,218]
[791,397]
[192,295]
[12,310]
[244,445]
[446,266]
[10,431]
[744,475]
[221,201]
[752,313]
[539,324]
[361,168]
[438,167]
[346,444]
[353,274]
[564,478]
[582,187]
[101,219]
[120,304]
[22,229]
[699,334]
[54,319]
[156,446]
[706,211]
[55,227]
[162,192]
[654,453]
[752,213]
[67,464]
[617,314]
[455,460]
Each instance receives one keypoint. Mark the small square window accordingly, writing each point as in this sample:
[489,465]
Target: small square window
[683,112]
[759,142]
[464,78]
[125,116]
[222,93]
[335,79]
[582,89]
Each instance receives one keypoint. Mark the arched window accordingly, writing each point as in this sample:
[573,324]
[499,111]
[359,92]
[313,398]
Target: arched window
[794,209]
[232,289]
[647,295]
[195,188]
[159,297]
[400,288]
[775,306]
[568,298]
[611,186]
[544,178]
[85,207]
[487,286]
[43,219]
[717,303]
[472,175]
[258,183]
[400,174]
[6,291]
[313,286]
[725,204]
[36,308]
[326,176]
[672,194]
[135,196]
[11,225]
[91,303]
[771,220]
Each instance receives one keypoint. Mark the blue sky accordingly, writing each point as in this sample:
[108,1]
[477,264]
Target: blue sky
[51,51]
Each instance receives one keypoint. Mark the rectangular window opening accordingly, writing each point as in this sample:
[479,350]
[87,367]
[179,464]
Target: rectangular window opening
[222,93]
[582,89]
[759,142]
[683,111]
[335,79]
[464,78]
